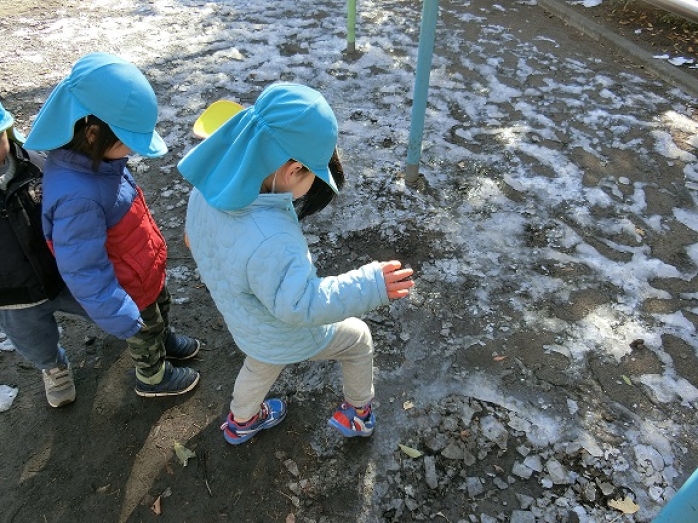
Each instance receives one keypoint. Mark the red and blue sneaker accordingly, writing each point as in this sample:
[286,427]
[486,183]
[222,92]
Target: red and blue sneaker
[271,413]
[347,421]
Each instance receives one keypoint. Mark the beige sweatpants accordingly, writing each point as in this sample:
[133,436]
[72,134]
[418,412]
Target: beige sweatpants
[351,346]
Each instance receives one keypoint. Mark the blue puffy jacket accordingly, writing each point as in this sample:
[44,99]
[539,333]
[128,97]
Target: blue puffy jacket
[258,269]
[109,250]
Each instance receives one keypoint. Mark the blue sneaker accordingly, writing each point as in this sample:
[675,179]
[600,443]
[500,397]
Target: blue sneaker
[273,411]
[175,381]
[350,424]
[180,348]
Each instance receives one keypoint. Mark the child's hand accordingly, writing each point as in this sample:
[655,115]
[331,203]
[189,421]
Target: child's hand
[395,280]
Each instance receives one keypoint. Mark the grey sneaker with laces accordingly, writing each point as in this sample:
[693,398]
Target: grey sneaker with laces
[59,385]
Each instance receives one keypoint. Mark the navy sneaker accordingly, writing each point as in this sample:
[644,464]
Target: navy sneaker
[273,411]
[347,421]
[180,348]
[176,381]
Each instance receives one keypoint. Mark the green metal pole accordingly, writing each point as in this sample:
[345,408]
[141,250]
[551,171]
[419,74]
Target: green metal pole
[351,26]
[427,35]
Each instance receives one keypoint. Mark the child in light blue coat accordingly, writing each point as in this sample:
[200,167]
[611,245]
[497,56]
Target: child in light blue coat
[247,242]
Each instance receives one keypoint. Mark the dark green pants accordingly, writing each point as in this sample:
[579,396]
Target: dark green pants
[147,346]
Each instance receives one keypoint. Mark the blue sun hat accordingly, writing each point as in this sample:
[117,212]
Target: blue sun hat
[111,89]
[6,124]
[288,121]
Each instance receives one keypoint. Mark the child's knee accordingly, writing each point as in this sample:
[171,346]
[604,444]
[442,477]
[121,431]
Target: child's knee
[361,332]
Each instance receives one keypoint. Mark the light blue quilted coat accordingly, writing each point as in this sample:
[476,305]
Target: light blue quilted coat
[258,269]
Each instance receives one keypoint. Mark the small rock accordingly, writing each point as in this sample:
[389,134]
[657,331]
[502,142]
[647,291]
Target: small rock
[430,472]
[474,486]
[525,501]
[519,424]
[648,457]
[590,492]
[494,431]
[449,424]
[606,488]
[521,470]
[521,516]
[467,413]
[292,467]
[523,450]
[453,451]
[438,442]
[572,406]
[468,458]
[558,473]
[534,463]
[500,483]
[655,492]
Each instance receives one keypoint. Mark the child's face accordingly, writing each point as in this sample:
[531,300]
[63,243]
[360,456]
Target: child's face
[291,177]
[117,151]
[4,146]
[302,185]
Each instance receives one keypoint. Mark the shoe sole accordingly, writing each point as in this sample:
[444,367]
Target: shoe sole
[190,356]
[62,403]
[146,394]
[237,440]
[348,433]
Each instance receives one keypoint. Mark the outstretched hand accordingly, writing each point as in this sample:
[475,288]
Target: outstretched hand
[396,280]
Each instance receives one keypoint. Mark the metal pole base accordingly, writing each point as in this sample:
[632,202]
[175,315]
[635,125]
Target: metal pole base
[411,174]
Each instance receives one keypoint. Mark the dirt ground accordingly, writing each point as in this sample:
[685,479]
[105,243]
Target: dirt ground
[655,30]
[111,456]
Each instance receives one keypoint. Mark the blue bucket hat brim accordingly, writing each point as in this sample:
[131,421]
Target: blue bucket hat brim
[111,89]
[6,124]
[288,121]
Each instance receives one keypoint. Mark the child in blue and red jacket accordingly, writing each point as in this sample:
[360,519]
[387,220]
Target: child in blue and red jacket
[109,249]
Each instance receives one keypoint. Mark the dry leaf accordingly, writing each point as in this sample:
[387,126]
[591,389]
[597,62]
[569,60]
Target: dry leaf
[626,379]
[413,453]
[626,506]
[500,358]
[183,453]
[156,507]
[291,518]
[408,405]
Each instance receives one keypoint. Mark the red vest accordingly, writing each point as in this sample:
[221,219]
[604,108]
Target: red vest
[138,252]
